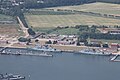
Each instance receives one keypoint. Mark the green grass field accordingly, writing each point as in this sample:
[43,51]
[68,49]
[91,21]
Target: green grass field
[68,31]
[59,31]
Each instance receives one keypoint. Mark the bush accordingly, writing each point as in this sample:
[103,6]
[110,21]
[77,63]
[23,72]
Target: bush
[31,32]
[100,36]
[49,42]
[105,45]
[78,44]
[54,42]
[36,40]
[21,39]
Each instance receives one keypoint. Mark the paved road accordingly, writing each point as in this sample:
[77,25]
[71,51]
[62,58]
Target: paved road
[23,28]
[14,40]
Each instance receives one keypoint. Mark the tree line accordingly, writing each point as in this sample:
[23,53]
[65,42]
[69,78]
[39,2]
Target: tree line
[51,3]
[106,36]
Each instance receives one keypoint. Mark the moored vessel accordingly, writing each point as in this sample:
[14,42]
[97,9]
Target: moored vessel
[11,77]
[91,51]
[45,54]
[44,48]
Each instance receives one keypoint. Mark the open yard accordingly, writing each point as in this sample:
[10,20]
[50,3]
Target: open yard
[5,17]
[10,30]
[9,27]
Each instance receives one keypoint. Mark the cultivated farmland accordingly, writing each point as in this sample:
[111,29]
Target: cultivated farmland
[99,7]
[41,18]
[68,20]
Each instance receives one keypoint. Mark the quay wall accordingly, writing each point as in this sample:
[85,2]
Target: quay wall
[68,47]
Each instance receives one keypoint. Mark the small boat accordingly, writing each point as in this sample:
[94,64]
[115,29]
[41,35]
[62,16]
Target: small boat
[45,54]
[11,77]
[94,52]
[39,54]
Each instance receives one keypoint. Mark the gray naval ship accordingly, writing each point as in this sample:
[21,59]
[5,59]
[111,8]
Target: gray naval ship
[94,52]
[11,77]
[45,48]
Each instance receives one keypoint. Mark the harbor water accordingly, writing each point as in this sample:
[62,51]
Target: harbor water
[62,66]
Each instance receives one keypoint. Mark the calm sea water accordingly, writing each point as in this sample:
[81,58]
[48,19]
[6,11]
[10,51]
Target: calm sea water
[61,67]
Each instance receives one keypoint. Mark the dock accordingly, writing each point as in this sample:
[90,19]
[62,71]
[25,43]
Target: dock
[115,56]
[29,54]
[114,59]
[1,51]
[6,51]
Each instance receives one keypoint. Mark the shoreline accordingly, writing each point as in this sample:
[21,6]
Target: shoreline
[64,49]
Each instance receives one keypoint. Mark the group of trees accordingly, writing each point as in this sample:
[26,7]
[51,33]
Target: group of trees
[31,32]
[100,36]
[51,3]
[110,1]
[22,39]
[86,28]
